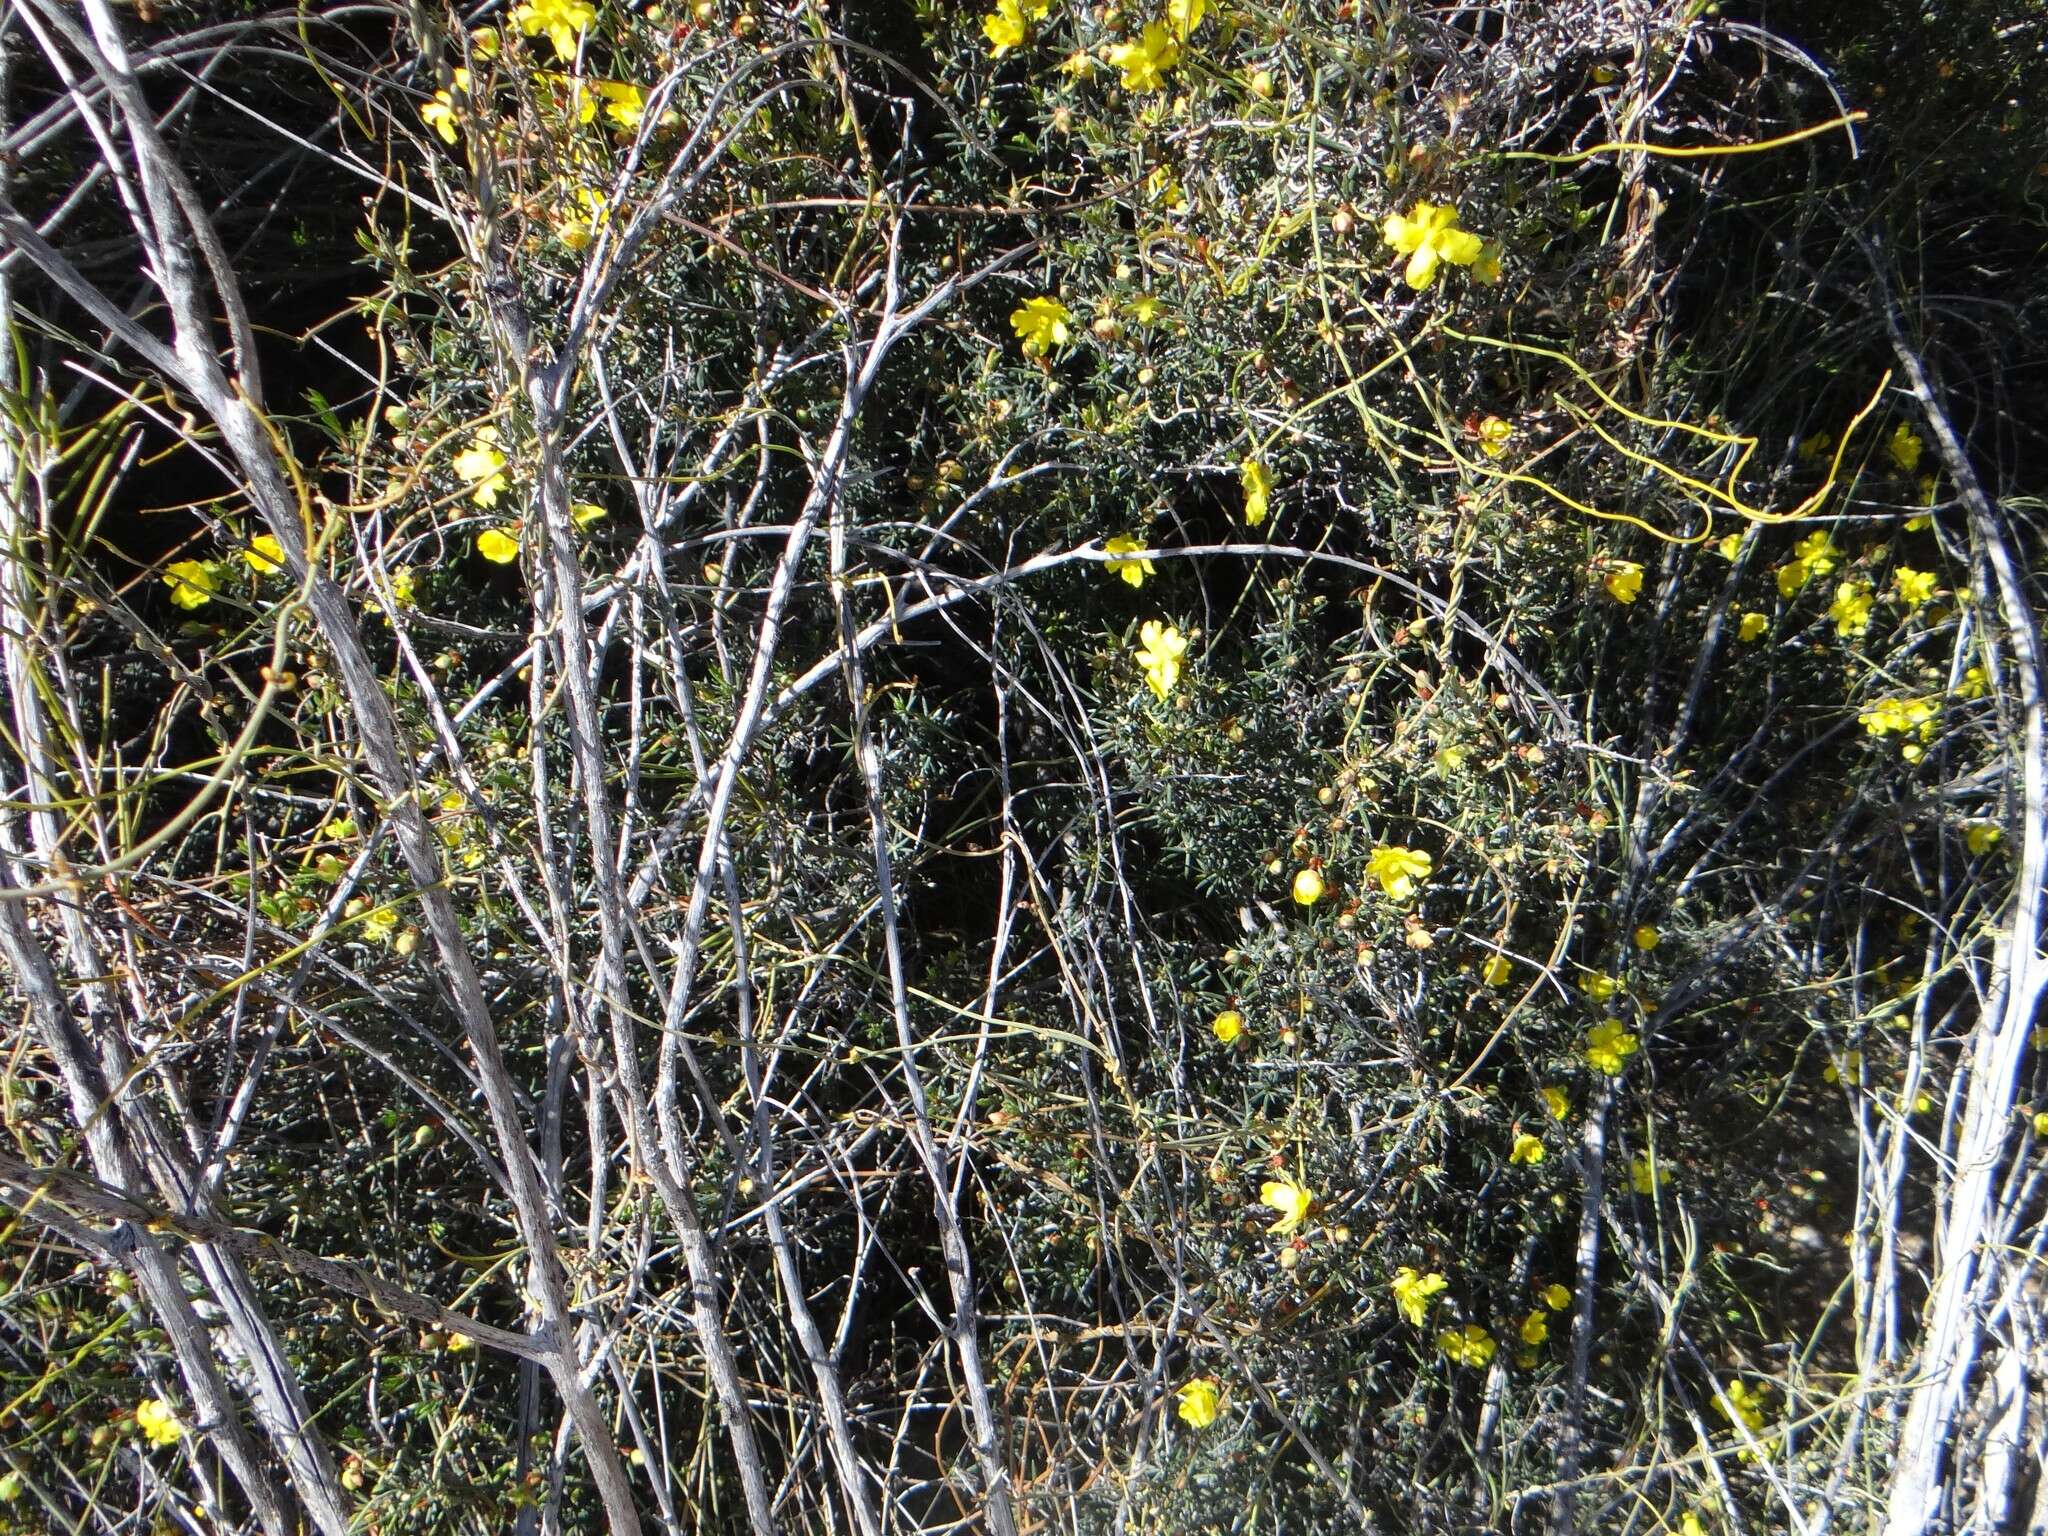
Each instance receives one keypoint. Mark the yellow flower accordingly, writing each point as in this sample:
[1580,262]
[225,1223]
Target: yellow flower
[578,230]
[1738,1400]
[158,1421]
[624,103]
[584,513]
[1199,1400]
[564,21]
[439,115]
[1228,1027]
[1599,986]
[1412,1292]
[1471,1345]
[1647,937]
[264,554]
[1145,62]
[1308,888]
[1183,16]
[481,466]
[1852,1061]
[498,546]
[1982,836]
[1042,324]
[1815,448]
[1556,1102]
[1904,446]
[193,582]
[1134,570]
[1623,581]
[1851,608]
[1486,266]
[1535,1328]
[402,586]
[1556,1297]
[1258,485]
[376,924]
[1528,1149]
[1729,547]
[1819,552]
[1290,1200]
[1974,684]
[1752,627]
[1914,587]
[1792,575]
[1608,1048]
[1010,22]
[2041,1123]
[1428,236]
[1496,971]
[1398,869]
[1160,649]
[485,41]
[1146,308]
[1493,436]
[1645,1177]
[1896,717]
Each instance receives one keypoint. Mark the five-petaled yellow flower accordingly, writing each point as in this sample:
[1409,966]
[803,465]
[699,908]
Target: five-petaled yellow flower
[193,582]
[1183,16]
[158,1421]
[500,546]
[1470,1345]
[1228,1027]
[1608,1048]
[1493,436]
[1599,986]
[481,467]
[1904,446]
[1009,23]
[564,21]
[1258,486]
[1398,869]
[1974,684]
[1556,1297]
[1290,1200]
[1133,570]
[1428,235]
[1160,648]
[1851,608]
[1042,324]
[1982,836]
[1199,1401]
[1146,309]
[1752,627]
[1528,1149]
[439,115]
[1914,587]
[1646,1177]
[264,554]
[1623,581]
[1555,1100]
[1412,1293]
[579,229]
[1144,63]
[1535,1328]
[1496,971]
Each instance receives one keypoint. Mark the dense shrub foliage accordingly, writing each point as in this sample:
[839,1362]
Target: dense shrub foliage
[1160,768]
